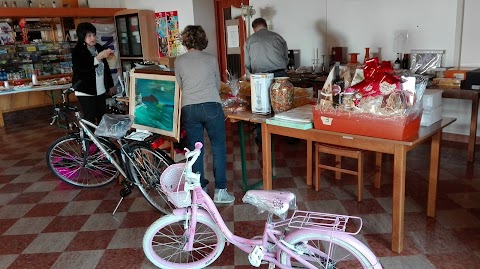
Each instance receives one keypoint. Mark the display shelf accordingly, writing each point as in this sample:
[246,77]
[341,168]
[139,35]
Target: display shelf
[58,12]
[137,37]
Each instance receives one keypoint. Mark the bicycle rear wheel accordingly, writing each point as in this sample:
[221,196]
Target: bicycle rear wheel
[165,239]
[326,251]
[70,163]
[146,169]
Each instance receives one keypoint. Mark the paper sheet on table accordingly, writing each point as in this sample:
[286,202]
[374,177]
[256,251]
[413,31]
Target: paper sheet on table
[299,114]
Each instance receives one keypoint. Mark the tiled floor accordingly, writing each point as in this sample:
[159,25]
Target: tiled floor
[45,223]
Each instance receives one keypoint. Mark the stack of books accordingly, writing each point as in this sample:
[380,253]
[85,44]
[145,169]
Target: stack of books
[298,118]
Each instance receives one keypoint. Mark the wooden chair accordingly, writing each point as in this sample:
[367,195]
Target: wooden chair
[340,152]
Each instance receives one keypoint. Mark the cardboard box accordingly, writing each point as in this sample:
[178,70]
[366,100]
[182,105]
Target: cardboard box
[394,128]
[432,98]
[472,81]
[431,115]
[260,86]
[167,61]
[457,72]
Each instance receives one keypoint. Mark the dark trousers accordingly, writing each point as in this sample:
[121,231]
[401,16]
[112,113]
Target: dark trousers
[93,107]
[207,116]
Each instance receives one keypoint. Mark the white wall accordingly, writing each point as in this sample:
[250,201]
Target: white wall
[358,24]
[204,15]
[184,8]
[470,55]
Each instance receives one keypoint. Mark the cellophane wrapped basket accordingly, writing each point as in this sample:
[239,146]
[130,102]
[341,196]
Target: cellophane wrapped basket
[172,182]
[375,101]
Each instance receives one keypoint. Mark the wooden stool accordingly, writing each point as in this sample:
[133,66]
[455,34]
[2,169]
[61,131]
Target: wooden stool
[340,152]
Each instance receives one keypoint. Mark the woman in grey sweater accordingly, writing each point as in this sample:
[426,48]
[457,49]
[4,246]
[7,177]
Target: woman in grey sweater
[198,76]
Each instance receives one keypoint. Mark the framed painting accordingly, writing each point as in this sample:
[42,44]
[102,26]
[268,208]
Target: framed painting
[155,103]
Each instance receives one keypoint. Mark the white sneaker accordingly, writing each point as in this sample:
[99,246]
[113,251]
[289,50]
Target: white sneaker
[221,196]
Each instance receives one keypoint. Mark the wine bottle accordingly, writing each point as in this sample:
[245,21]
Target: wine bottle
[337,87]
[405,61]
[397,64]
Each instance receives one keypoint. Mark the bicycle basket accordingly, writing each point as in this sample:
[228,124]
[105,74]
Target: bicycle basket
[172,182]
[113,125]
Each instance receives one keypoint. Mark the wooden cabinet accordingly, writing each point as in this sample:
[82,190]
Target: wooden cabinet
[137,39]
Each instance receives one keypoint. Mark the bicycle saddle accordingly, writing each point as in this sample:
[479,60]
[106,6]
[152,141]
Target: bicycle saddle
[275,202]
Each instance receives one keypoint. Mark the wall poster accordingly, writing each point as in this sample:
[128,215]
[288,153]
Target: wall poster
[168,33]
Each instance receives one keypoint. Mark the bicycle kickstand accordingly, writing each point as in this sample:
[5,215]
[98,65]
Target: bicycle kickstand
[126,190]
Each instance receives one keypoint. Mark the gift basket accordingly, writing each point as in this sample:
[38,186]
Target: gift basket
[371,101]
[235,94]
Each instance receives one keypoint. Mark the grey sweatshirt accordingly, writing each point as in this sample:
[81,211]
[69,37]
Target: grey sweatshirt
[198,77]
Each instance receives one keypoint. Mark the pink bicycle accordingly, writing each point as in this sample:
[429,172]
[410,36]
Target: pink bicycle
[194,235]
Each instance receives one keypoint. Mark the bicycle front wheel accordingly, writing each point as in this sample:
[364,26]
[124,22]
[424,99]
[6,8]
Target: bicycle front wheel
[67,159]
[145,169]
[327,252]
[165,240]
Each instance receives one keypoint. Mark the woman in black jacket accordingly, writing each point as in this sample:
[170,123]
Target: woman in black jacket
[91,68]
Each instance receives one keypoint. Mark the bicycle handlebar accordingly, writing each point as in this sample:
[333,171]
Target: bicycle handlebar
[193,155]
[66,93]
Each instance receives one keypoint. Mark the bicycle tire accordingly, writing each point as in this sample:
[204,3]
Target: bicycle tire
[65,158]
[163,251]
[343,253]
[146,170]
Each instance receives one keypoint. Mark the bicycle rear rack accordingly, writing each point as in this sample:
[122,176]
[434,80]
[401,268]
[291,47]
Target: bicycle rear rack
[325,222]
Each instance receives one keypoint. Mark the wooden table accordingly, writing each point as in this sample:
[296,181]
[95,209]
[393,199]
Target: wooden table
[240,118]
[23,98]
[399,150]
[316,84]
[473,96]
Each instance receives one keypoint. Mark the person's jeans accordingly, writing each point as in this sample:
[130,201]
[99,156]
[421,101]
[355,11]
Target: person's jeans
[208,116]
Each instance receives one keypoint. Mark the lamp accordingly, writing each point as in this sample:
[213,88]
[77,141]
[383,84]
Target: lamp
[246,12]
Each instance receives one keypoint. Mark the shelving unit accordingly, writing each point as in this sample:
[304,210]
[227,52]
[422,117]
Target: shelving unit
[67,19]
[137,40]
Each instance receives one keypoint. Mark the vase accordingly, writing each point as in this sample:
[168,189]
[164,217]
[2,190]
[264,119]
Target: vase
[367,54]
[281,94]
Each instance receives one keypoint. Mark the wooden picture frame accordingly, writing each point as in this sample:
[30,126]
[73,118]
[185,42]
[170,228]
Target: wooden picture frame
[155,103]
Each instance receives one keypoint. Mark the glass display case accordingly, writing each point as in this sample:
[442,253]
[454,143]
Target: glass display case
[137,38]
[43,59]
[130,40]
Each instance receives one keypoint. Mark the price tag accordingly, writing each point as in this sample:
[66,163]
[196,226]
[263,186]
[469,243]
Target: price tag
[31,48]
[326,120]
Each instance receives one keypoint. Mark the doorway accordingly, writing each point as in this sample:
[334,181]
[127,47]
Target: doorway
[232,61]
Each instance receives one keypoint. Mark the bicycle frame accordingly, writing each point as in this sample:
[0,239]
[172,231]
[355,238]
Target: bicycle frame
[269,238]
[84,130]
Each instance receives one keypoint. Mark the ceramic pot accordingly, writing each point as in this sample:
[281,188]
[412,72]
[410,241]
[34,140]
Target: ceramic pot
[281,94]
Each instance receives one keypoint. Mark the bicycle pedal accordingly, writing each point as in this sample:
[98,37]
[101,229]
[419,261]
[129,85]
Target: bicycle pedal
[256,256]
[125,192]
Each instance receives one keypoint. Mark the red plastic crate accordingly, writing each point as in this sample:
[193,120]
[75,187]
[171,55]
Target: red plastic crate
[395,128]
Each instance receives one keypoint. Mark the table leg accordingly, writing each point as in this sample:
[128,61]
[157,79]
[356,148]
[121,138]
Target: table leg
[433,177]
[242,155]
[309,162]
[378,169]
[399,171]
[267,157]
[2,123]
[473,131]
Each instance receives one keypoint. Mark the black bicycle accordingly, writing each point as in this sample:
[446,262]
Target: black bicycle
[84,159]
